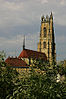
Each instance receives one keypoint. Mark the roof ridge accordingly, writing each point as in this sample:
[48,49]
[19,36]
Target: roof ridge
[27,53]
[34,51]
[16,62]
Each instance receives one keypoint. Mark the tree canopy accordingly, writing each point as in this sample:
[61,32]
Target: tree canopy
[32,85]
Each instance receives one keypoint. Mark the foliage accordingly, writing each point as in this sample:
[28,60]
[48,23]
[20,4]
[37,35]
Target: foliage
[2,56]
[38,86]
[32,85]
[7,79]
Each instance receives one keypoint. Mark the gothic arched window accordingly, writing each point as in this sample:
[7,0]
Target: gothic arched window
[45,32]
[44,44]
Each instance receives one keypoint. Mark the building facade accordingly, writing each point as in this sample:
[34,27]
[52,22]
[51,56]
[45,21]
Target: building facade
[47,40]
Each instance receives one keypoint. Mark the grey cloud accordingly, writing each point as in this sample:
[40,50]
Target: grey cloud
[19,17]
[15,43]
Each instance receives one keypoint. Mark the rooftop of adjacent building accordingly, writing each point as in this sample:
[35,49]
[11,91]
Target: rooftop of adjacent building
[15,62]
[26,53]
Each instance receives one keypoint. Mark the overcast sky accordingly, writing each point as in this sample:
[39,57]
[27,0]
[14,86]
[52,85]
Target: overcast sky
[22,17]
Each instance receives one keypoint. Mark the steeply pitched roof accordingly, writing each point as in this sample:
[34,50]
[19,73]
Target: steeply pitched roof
[15,62]
[26,53]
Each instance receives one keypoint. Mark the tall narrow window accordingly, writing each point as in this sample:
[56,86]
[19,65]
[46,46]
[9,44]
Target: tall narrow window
[44,44]
[45,32]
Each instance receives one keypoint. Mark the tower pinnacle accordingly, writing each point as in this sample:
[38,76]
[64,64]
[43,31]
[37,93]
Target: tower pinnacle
[51,16]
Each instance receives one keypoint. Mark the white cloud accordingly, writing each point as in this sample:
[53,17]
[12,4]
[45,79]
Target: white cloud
[43,1]
[13,14]
[20,12]
[61,20]
[14,6]
[61,39]
[62,2]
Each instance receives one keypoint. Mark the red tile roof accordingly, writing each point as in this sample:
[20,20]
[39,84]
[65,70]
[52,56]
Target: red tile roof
[15,62]
[26,53]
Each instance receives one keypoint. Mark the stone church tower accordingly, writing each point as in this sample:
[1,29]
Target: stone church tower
[47,40]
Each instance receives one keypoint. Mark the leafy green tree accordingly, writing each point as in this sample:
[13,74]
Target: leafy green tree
[2,56]
[40,86]
[32,85]
[8,78]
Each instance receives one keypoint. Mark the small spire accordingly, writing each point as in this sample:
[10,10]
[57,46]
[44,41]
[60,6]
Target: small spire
[42,18]
[47,17]
[51,15]
[24,43]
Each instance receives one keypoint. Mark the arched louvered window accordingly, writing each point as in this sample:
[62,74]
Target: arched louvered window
[45,32]
[44,44]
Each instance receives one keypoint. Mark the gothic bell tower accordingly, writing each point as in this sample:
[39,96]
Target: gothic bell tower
[47,40]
